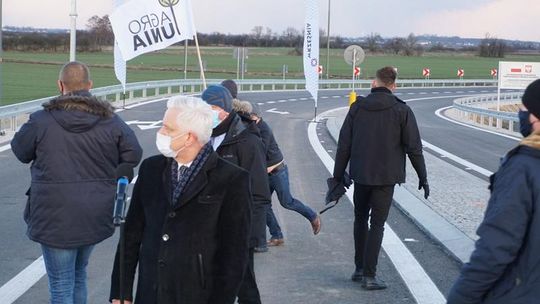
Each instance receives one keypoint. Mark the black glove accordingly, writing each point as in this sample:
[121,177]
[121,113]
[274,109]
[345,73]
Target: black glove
[425,186]
[336,189]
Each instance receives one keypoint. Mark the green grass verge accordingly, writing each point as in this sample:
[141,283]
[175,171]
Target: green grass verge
[28,76]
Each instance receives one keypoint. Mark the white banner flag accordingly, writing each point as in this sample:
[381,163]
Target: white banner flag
[311,48]
[142,26]
[119,62]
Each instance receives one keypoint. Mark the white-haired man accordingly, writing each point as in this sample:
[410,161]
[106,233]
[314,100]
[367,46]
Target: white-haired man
[188,224]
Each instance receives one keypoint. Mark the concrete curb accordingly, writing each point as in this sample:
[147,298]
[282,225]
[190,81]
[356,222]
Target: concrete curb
[454,241]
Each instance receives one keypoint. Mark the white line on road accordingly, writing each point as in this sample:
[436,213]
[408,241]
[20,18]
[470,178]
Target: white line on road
[440,115]
[5,148]
[270,102]
[414,276]
[17,286]
[457,159]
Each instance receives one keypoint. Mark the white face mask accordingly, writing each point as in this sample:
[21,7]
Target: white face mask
[163,143]
[215,118]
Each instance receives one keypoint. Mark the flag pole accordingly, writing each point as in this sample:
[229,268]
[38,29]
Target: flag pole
[200,61]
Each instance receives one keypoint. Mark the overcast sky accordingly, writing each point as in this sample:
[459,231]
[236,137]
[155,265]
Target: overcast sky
[509,19]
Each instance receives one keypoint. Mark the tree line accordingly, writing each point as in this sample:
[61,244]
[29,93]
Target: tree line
[99,35]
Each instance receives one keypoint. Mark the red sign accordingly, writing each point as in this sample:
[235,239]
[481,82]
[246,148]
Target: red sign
[515,70]
[320,69]
[494,72]
[426,72]
[356,71]
[460,72]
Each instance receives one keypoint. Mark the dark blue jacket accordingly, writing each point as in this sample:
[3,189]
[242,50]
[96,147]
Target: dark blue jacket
[505,265]
[273,153]
[75,144]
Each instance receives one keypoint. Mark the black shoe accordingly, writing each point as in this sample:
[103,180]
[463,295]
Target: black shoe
[357,275]
[260,249]
[372,283]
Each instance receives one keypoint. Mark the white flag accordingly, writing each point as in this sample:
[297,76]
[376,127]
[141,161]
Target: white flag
[311,48]
[142,26]
[119,62]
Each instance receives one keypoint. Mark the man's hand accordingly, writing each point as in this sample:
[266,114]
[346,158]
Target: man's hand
[425,186]
[115,301]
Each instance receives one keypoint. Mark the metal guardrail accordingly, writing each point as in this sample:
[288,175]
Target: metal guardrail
[476,109]
[144,90]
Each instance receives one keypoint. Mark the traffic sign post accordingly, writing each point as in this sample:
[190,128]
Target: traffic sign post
[494,73]
[461,73]
[285,70]
[426,72]
[354,55]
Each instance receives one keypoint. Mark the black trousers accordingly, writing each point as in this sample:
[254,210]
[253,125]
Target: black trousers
[249,292]
[368,240]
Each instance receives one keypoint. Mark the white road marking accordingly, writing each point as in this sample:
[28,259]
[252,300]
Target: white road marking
[293,99]
[303,98]
[270,102]
[337,96]
[324,97]
[457,159]
[275,111]
[415,277]
[23,281]
[439,113]
[423,93]
[5,148]
[260,103]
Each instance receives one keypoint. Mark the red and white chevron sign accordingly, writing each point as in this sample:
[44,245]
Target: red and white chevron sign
[320,69]
[356,71]
[426,72]
[460,72]
[494,72]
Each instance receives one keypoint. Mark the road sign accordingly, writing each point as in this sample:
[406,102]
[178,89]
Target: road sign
[426,72]
[460,73]
[517,75]
[494,72]
[354,55]
[320,69]
[356,71]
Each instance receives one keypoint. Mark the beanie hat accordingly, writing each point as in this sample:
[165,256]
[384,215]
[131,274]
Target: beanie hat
[217,95]
[531,98]
[231,86]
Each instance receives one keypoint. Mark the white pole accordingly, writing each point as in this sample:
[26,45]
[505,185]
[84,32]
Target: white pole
[354,66]
[73,36]
[328,44]
[243,61]
[185,58]
[237,63]
[499,90]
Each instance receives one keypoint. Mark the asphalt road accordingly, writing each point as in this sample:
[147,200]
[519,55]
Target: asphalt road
[308,269]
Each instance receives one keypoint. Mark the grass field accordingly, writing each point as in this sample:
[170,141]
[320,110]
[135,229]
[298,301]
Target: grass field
[29,76]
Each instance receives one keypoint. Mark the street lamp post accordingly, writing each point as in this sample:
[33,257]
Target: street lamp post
[73,32]
[328,43]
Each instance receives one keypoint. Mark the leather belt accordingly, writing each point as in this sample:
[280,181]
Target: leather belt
[277,169]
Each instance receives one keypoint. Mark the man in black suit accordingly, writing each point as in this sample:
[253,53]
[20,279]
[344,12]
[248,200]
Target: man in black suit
[188,224]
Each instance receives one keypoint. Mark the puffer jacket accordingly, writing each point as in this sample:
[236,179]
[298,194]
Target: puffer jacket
[74,144]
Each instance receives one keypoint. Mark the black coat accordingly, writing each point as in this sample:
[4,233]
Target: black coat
[243,147]
[203,256]
[505,265]
[378,131]
[273,153]
[75,145]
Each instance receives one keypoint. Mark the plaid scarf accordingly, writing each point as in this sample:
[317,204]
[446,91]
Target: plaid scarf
[179,183]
